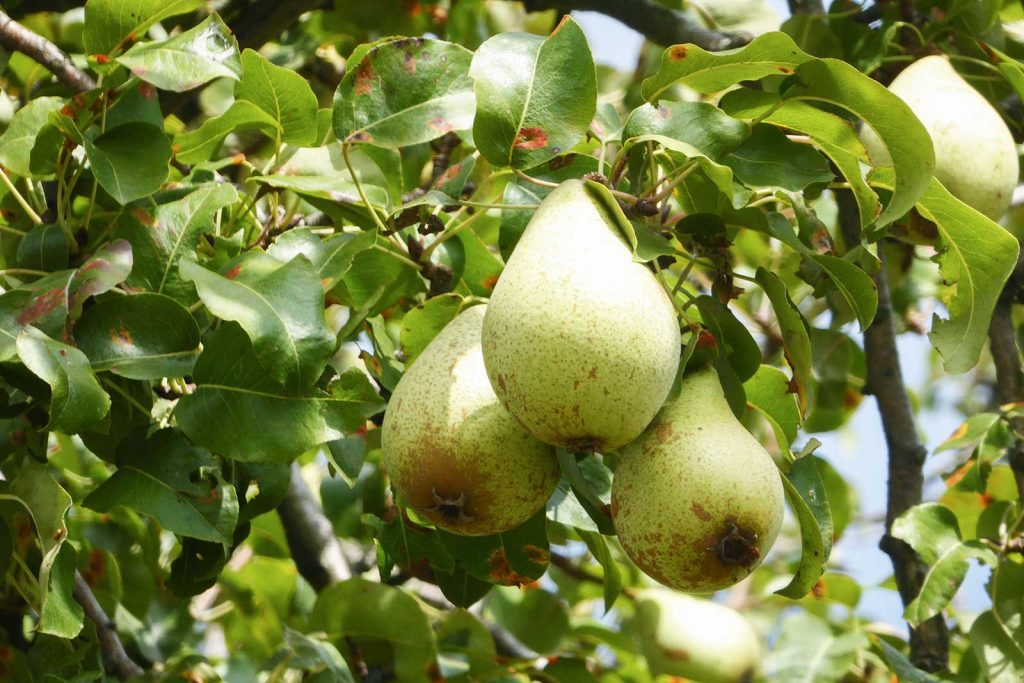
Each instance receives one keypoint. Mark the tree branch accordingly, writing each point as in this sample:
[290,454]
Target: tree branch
[657,23]
[16,37]
[1002,336]
[121,664]
[929,642]
[806,7]
[310,536]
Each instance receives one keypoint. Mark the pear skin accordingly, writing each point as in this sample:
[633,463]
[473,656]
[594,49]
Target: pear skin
[696,639]
[697,501]
[452,452]
[975,156]
[581,343]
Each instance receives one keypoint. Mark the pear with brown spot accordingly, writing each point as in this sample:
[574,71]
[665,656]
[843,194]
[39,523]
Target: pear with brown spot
[975,155]
[697,501]
[581,342]
[452,452]
[696,639]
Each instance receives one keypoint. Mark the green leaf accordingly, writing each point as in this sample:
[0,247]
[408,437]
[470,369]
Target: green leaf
[997,635]
[537,618]
[108,23]
[61,615]
[840,371]
[900,665]
[314,655]
[160,240]
[175,483]
[105,269]
[807,651]
[838,83]
[189,59]
[361,609]
[708,72]
[239,411]
[195,146]
[129,161]
[975,257]
[732,336]
[404,91]
[44,247]
[932,530]
[699,124]
[806,494]
[281,307]
[76,398]
[968,434]
[795,336]
[834,136]
[423,322]
[513,558]
[612,578]
[535,97]
[281,93]
[141,336]
[17,141]
[770,159]
[407,545]
[46,503]
[768,393]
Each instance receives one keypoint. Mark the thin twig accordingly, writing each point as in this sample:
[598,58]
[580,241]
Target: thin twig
[121,665]
[929,642]
[659,24]
[16,37]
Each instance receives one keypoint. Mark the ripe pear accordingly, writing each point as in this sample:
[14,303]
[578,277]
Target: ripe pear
[975,156]
[581,342]
[452,452]
[697,501]
[696,639]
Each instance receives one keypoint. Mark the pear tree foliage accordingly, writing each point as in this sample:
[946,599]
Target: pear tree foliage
[367,341]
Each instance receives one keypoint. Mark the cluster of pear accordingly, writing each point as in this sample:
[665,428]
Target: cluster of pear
[975,155]
[579,348]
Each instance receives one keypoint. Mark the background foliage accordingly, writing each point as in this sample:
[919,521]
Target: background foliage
[228,227]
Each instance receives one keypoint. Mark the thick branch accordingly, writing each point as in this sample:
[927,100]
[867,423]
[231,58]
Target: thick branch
[261,21]
[121,664]
[16,37]
[657,23]
[310,536]
[1002,336]
[929,642]
[806,7]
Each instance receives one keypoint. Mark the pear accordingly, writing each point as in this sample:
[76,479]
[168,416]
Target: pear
[581,342]
[975,156]
[696,500]
[452,452]
[696,639]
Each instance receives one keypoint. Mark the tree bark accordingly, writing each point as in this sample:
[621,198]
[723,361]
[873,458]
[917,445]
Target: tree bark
[929,642]
[121,665]
[16,37]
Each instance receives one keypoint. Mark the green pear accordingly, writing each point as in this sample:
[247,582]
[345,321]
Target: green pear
[581,342]
[452,452]
[696,500]
[680,635]
[975,156]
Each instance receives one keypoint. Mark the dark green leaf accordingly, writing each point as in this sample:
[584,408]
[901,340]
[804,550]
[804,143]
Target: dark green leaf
[795,336]
[112,23]
[237,410]
[404,91]
[142,336]
[733,337]
[699,124]
[512,558]
[199,145]
[535,97]
[770,159]
[279,306]
[44,247]
[422,323]
[805,492]
[129,161]
[76,398]
[177,484]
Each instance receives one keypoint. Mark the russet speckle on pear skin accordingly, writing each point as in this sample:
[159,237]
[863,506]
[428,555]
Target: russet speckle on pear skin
[696,500]
[451,451]
[581,343]
[975,156]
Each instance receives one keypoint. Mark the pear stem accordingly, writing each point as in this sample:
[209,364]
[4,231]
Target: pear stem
[359,188]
